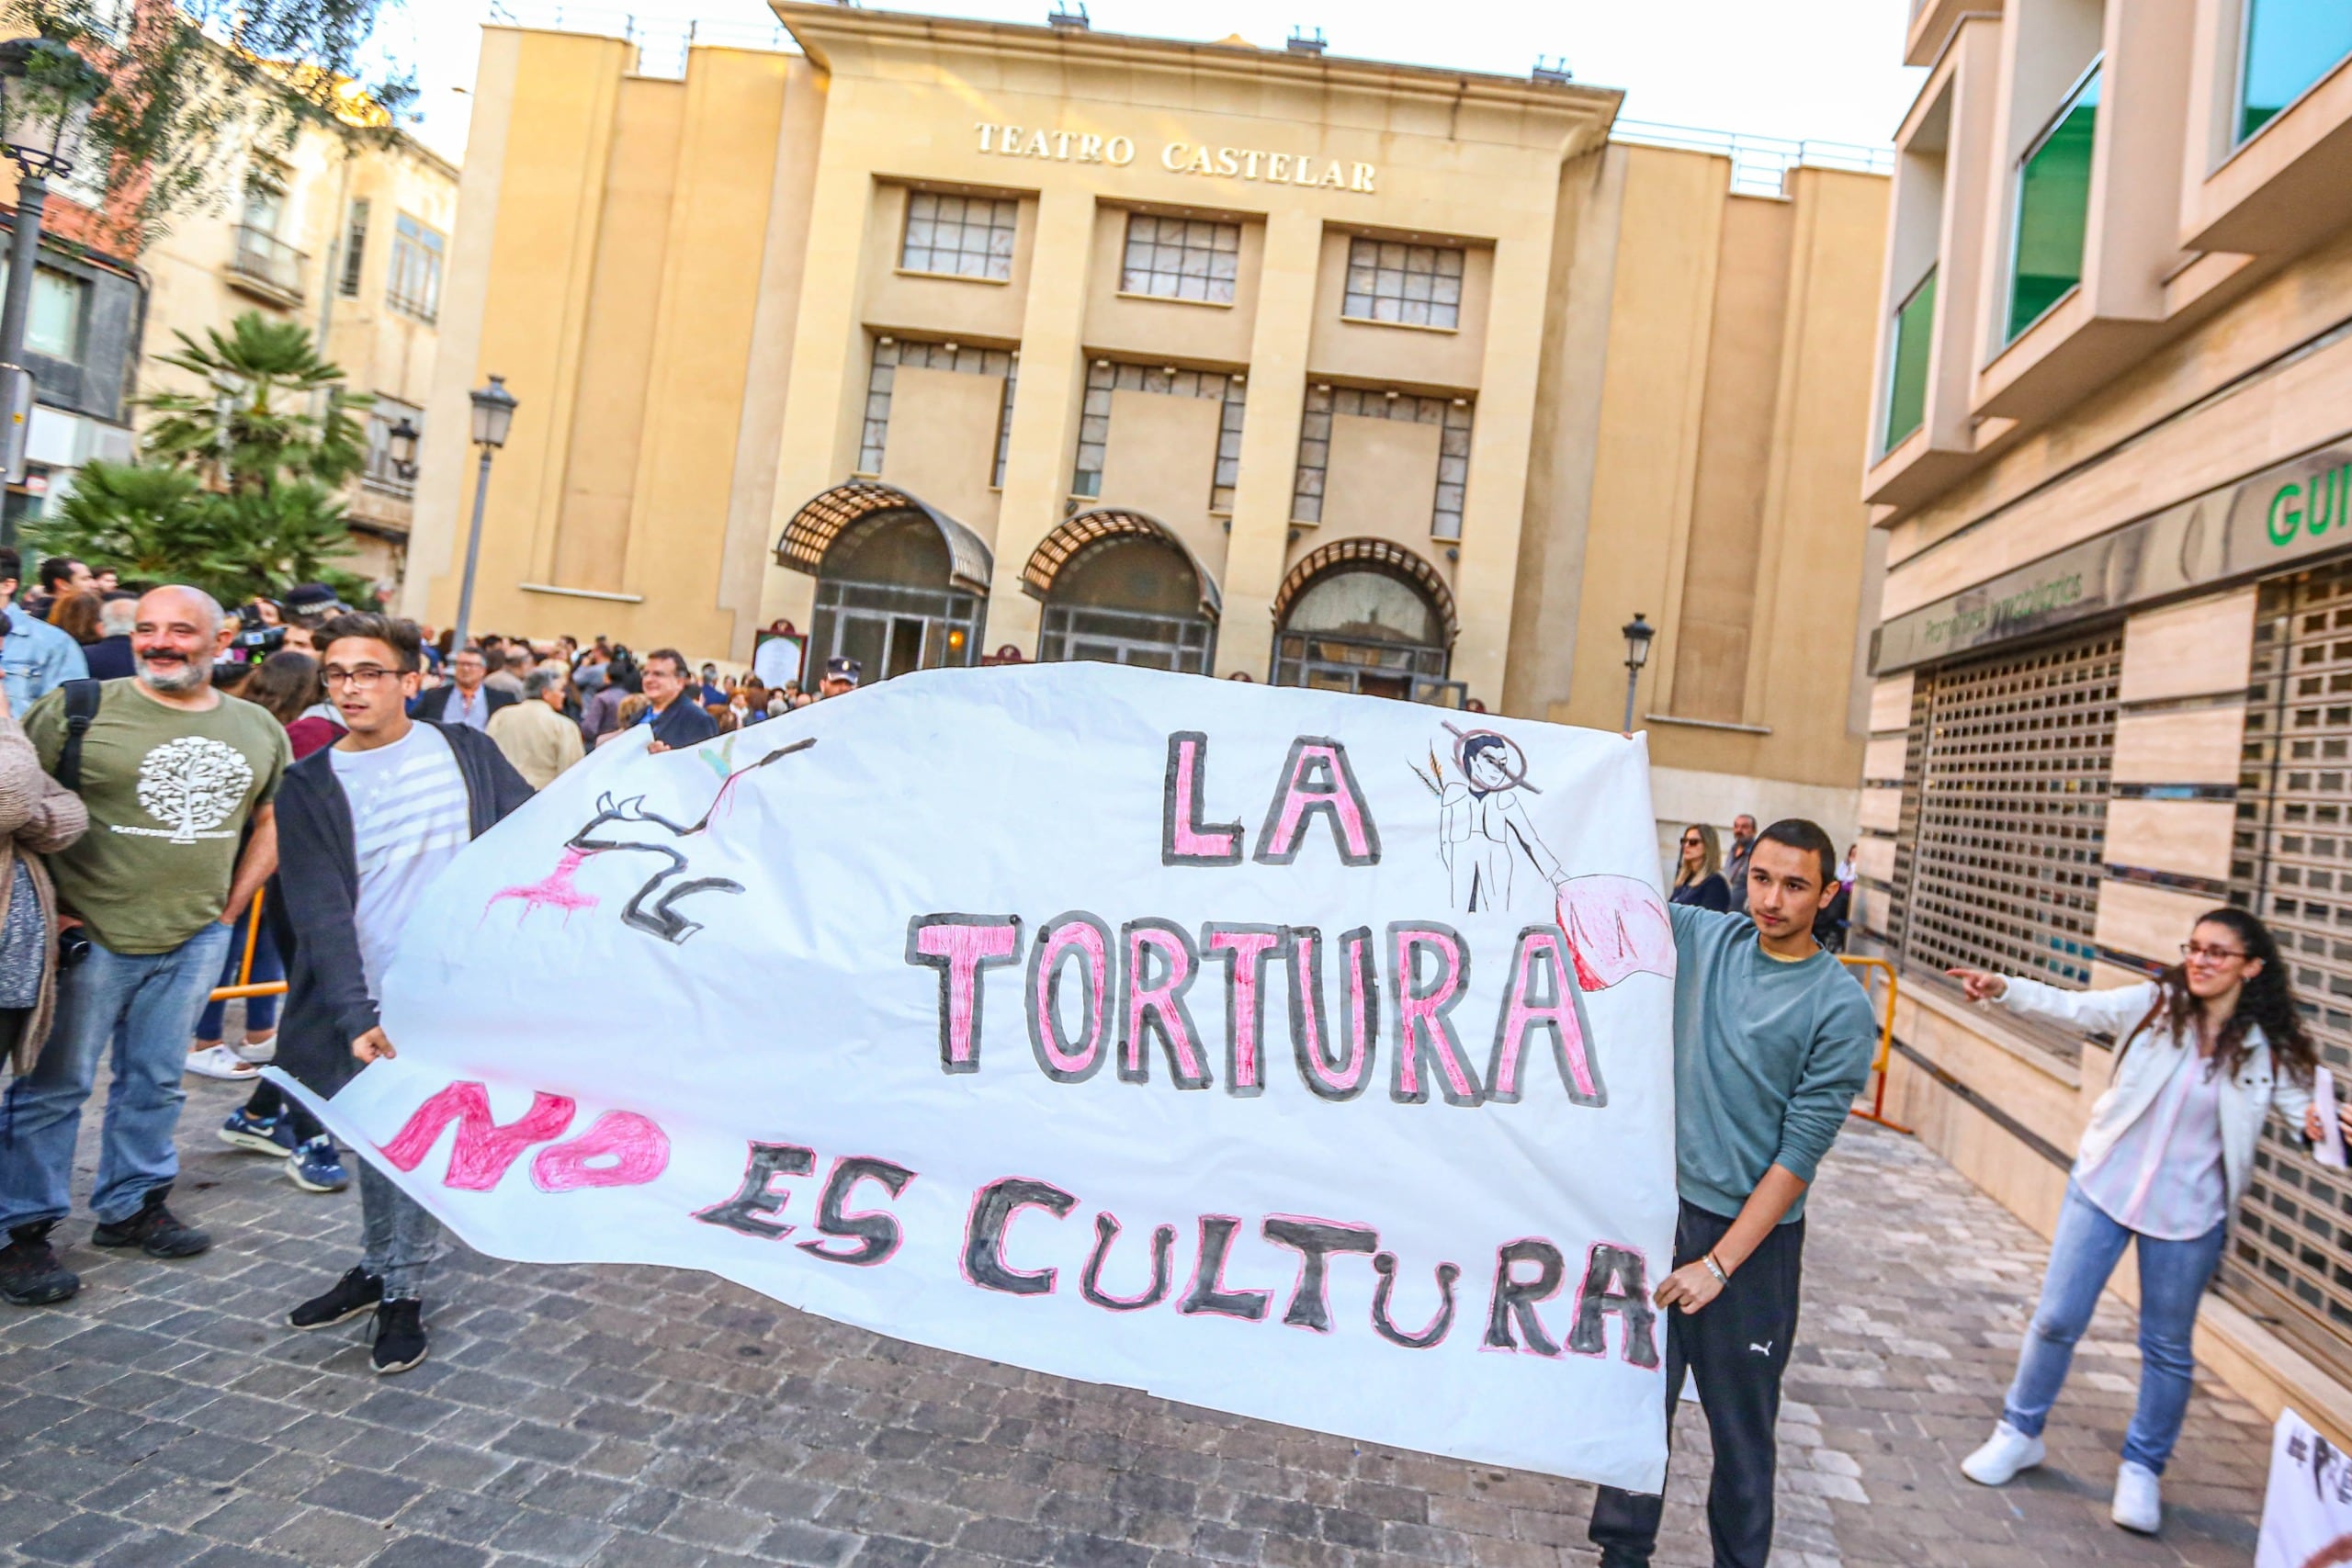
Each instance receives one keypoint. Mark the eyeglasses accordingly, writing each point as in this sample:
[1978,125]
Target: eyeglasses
[366,675]
[2195,949]
[1693,841]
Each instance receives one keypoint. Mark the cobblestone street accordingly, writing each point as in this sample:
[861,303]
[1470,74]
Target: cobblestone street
[640,1417]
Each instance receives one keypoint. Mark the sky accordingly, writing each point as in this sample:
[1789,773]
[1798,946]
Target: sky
[1828,70]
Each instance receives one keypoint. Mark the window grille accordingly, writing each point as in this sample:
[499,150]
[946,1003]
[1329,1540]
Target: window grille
[1105,377]
[961,236]
[2006,822]
[1415,285]
[2291,1257]
[355,248]
[890,353]
[1453,457]
[1182,258]
[415,285]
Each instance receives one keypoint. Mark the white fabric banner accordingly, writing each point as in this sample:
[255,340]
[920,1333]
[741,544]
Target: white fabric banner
[1293,1054]
[2307,1513]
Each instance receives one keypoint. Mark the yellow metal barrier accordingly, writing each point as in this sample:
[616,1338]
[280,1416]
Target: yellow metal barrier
[1877,1112]
[246,985]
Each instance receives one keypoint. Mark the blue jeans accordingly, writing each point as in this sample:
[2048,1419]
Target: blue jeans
[260,1011]
[145,1004]
[2173,1275]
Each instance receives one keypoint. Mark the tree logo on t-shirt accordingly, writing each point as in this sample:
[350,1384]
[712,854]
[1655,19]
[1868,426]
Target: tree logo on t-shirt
[191,785]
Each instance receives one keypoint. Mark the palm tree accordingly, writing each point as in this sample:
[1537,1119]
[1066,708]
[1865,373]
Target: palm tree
[151,524]
[273,408]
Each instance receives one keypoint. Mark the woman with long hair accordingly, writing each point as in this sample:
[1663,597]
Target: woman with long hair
[76,615]
[2204,1052]
[1698,871]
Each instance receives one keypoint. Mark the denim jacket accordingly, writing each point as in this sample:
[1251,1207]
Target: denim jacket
[36,659]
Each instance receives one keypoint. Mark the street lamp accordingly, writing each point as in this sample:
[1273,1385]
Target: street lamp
[1638,633]
[400,449]
[493,417]
[46,90]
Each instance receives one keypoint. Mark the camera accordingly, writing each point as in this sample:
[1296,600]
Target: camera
[73,946]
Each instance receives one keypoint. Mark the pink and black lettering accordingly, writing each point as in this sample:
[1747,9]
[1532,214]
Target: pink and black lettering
[1515,1299]
[873,1235]
[756,1203]
[1075,938]
[1184,838]
[1317,781]
[1541,996]
[1429,1333]
[1315,1241]
[484,1148]
[1209,1293]
[961,947]
[1156,965]
[1615,1279]
[1329,1077]
[1422,1006]
[1245,951]
[1090,1282]
[620,1149]
[993,1207]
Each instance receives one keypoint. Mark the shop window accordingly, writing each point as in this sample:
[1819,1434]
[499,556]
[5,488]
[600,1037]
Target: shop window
[1452,458]
[1414,285]
[59,312]
[355,248]
[1105,377]
[1181,258]
[2054,198]
[2289,44]
[960,236]
[415,285]
[1907,369]
[890,353]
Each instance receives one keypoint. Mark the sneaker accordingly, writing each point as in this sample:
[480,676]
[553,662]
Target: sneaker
[356,1292]
[2139,1498]
[400,1338]
[2006,1452]
[219,1062]
[31,1274]
[262,1135]
[153,1231]
[315,1166]
[257,1051]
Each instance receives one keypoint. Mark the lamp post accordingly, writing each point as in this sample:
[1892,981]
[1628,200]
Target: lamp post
[493,416]
[1638,633]
[46,90]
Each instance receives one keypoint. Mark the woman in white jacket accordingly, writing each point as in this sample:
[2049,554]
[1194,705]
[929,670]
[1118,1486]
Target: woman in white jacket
[2203,1054]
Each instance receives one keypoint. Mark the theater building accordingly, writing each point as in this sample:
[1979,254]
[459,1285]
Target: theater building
[941,340]
[2111,464]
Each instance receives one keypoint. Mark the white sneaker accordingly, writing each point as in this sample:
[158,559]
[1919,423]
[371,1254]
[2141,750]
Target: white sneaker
[219,1062]
[2005,1453]
[262,1050]
[2139,1498]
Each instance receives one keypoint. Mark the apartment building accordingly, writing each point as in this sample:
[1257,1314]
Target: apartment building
[2111,458]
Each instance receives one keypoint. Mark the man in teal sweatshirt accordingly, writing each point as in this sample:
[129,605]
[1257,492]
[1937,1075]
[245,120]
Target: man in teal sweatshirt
[1772,1040]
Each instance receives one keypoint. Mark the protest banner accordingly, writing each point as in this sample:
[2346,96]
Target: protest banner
[1293,1054]
[2307,1511]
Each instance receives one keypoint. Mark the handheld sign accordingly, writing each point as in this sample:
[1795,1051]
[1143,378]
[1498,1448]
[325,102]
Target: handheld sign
[1294,1054]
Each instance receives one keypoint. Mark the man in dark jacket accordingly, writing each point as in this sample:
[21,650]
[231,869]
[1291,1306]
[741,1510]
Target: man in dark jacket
[677,719]
[465,700]
[365,825]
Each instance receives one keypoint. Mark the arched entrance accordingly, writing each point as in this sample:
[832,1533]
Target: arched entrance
[1120,588]
[899,584]
[1366,615]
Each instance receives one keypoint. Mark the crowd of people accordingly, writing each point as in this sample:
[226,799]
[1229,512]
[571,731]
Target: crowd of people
[346,764]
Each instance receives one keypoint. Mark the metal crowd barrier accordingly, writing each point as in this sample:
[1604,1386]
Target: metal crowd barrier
[246,985]
[1877,1112]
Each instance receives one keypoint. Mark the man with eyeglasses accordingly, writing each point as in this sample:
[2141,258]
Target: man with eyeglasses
[365,825]
[468,699]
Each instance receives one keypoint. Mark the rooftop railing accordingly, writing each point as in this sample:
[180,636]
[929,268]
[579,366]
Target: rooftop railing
[1760,164]
[661,41]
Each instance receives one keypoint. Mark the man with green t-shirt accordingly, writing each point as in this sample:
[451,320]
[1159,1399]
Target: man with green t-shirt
[172,772]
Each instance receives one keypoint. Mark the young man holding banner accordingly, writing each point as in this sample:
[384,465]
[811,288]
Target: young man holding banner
[1772,1040]
[365,825]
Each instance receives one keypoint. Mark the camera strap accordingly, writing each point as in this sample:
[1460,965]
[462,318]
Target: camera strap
[81,707]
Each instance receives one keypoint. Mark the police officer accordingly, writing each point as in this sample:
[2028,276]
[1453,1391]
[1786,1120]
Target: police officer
[842,675]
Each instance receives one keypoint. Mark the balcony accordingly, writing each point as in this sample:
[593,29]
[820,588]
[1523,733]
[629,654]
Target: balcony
[266,266]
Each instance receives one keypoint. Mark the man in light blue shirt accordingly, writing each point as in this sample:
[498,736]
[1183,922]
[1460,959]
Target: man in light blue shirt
[35,657]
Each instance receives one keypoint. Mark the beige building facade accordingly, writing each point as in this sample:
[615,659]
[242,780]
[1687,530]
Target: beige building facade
[941,340]
[2111,462]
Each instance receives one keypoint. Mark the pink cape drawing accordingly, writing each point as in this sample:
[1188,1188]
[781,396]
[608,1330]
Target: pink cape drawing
[1617,927]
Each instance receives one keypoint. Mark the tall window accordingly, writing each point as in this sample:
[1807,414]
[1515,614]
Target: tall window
[2289,44]
[265,198]
[1181,258]
[1414,285]
[388,468]
[61,305]
[415,285]
[355,248]
[1907,369]
[2053,208]
[1452,415]
[962,236]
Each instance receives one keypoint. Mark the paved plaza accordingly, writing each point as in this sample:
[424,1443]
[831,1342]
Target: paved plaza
[641,1419]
